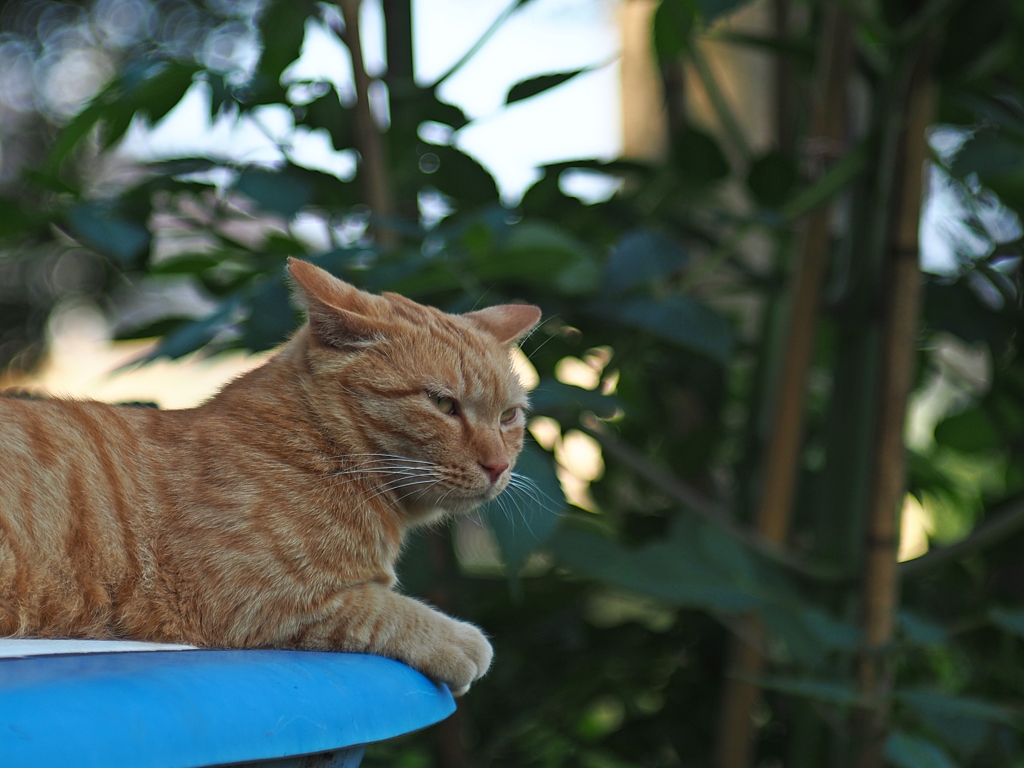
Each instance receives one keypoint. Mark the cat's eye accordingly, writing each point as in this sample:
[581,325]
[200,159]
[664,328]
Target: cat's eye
[444,404]
[510,415]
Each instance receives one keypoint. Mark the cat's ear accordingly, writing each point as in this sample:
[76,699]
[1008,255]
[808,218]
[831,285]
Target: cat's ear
[506,322]
[340,315]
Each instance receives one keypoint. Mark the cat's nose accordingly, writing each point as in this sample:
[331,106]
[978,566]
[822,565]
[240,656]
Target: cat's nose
[494,471]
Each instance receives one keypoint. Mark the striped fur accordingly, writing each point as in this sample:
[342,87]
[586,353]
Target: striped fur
[272,515]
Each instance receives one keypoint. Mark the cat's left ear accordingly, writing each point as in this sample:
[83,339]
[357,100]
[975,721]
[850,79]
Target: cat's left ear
[506,322]
[340,315]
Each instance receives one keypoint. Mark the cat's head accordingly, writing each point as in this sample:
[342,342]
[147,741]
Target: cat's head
[425,402]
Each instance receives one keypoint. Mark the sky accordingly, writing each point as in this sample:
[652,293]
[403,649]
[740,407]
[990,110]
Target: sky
[579,119]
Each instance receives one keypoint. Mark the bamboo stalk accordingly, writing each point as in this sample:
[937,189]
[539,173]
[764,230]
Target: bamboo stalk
[879,595]
[735,731]
[373,175]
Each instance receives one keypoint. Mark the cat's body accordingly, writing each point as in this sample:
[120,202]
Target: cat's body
[272,515]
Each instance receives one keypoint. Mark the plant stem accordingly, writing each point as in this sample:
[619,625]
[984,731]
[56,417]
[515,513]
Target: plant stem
[374,177]
[782,466]
[879,596]
[723,111]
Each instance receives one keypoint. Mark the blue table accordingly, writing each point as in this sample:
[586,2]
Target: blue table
[182,709]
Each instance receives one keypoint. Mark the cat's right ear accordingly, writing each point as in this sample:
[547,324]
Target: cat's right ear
[340,315]
[508,323]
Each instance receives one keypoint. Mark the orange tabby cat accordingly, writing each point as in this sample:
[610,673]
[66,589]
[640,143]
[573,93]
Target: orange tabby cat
[272,515]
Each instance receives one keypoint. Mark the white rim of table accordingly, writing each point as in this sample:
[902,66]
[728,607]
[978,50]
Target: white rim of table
[21,647]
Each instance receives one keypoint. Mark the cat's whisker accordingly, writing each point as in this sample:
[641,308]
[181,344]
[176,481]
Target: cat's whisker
[440,502]
[497,503]
[382,467]
[526,483]
[403,471]
[509,516]
[539,346]
[397,485]
[418,493]
[389,488]
[383,456]
[522,513]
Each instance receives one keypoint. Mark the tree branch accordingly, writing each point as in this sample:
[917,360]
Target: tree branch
[373,175]
[487,35]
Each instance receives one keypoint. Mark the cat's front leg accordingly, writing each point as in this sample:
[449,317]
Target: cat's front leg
[371,618]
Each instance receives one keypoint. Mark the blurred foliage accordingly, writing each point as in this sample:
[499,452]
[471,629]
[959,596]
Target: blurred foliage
[609,644]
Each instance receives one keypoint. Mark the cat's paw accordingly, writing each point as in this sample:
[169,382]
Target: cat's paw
[463,658]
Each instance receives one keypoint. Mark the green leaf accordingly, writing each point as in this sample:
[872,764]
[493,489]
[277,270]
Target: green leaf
[968,431]
[188,263]
[989,154]
[72,133]
[677,319]
[831,183]
[149,88]
[16,220]
[698,158]
[712,9]
[565,401]
[642,257]
[801,50]
[957,308]
[536,85]
[282,28]
[197,334]
[920,630]
[271,315]
[283,192]
[967,707]
[680,569]
[841,694]
[222,95]
[674,23]
[981,28]
[906,751]
[151,93]
[328,113]
[429,107]
[962,724]
[1008,619]
[460,176]
[772,179]
[324,189]
[152,97]
[155,329]
[526,514]
[537,253]
[990,108]
[830,633]
[101,227]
